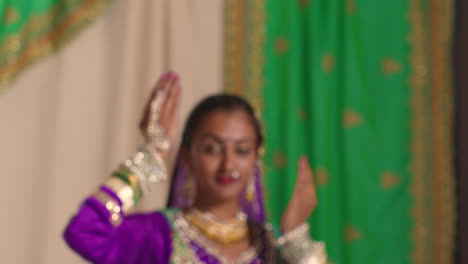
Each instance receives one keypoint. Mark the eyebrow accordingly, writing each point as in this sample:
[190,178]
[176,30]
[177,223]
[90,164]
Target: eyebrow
[222,140]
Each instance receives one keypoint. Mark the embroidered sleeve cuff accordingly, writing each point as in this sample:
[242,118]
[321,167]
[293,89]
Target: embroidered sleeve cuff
[112,206]
[123,191]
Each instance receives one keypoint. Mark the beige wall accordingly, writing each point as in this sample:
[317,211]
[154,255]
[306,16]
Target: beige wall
[68,120]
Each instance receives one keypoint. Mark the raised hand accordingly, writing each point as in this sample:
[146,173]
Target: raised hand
[169,86]
[303,200]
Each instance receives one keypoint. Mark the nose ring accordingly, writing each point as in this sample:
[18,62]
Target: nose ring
[235,175]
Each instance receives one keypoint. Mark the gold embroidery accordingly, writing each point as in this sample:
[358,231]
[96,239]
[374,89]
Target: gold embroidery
[11,16]
[351,6]
[234,77]
[123,191]
[279,159]
[302,114]
[322,177]
[420,253]
[40,36]
[351,119]
[352,234]
[112,207]
[281,46]
[182,252]
[188,234]
[390,66]
[304,3]
[243,54]
[389,180]
[442,194]
[328,63]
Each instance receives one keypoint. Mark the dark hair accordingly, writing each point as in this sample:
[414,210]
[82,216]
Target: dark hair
[213,103]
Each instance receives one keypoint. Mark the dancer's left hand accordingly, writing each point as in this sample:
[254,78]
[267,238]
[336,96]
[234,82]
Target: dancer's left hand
[303,200]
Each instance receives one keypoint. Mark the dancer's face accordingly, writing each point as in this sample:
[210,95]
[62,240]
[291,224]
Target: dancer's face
[223,145]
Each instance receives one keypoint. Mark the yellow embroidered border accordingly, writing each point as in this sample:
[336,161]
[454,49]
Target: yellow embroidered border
[432,172]
[243,51]
[418,123]
[17,55]
[234,39]
[442,127]
[243,55]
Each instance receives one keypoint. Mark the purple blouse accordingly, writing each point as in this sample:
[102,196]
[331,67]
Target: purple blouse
[140,238]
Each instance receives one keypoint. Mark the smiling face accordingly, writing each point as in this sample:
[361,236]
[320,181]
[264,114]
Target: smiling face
[222,155]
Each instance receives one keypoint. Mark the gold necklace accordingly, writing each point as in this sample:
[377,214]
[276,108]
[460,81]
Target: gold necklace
[221,232]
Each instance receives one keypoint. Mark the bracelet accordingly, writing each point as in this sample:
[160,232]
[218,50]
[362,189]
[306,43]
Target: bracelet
[112,207]
[292,235]
[135,174]
[123,191]
[132,180]
[297,247]
[147,166]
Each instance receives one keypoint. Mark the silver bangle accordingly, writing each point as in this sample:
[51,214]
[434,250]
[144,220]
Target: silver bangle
[298,248]
[297,232]
[149,167]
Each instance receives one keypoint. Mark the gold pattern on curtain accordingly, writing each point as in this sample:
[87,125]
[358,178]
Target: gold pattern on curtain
[43,33]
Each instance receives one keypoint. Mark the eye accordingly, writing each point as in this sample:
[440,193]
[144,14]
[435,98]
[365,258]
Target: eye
[243,151]
[211,149]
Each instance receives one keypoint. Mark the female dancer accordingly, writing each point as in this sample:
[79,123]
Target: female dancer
[215,212]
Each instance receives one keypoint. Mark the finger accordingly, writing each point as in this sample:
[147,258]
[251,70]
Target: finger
[308,174]
[309,179]
[300,175]
[162,82]
[175,112]
[174,106]
[305,175]
[157,87]
[169,101]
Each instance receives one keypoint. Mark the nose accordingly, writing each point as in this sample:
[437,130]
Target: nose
[228,161]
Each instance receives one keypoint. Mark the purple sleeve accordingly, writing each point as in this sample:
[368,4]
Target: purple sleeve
[140,238]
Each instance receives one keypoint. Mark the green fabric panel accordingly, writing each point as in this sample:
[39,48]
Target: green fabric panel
[337,89]
[31,30]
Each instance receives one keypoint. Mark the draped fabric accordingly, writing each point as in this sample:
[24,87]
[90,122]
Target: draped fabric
[364,89]
[460,56]
[71,118]
[31,30]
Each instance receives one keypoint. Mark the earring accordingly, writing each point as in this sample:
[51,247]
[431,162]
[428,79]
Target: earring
[250,190]
[188,190]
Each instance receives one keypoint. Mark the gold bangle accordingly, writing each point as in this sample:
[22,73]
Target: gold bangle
[131,179]
[123,191]
[112,207]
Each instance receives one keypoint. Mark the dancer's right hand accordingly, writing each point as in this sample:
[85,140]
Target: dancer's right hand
[169,83]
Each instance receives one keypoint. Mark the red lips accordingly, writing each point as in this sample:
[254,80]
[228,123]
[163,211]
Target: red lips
[225,180]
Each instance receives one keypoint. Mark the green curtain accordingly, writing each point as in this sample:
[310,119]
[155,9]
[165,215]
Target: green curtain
[329,96]
[363,89]
[31,30]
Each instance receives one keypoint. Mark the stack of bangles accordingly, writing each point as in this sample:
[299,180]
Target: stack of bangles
[136,174]
[297,247]
[128,183]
